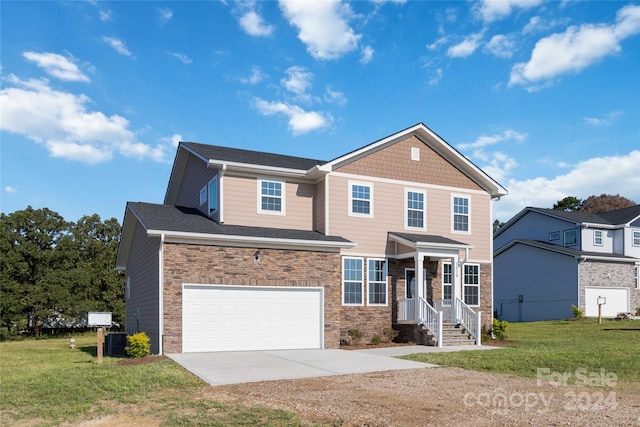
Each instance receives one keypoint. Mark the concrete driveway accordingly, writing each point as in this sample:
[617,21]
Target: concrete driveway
[219,368]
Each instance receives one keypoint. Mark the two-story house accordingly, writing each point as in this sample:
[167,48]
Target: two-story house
[547,260]
[255,250]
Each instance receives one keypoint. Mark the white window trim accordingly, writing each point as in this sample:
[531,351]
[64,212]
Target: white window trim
[564,237]
[283,198]
[217,209]
[595,237]
[633,237]
[554,235]
[350,206]
[466,284]
[406,209]
[362,284]
[445,283]
[637,276]
[386,283]
[204,195]
[462,196]
[415,154]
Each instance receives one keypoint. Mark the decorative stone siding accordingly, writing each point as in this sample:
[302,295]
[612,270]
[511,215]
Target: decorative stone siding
[200,264]
[608,275]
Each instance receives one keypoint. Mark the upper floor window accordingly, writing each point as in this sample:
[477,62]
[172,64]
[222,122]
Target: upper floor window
[570,237]
[270,196]
[213,195]
[361,199]
[636,238]
[415,203]
[203,195]
[461,214]
[377,281]
[352,281]
[597,237]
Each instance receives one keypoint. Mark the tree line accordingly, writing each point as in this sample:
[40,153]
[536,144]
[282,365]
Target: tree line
[52,271]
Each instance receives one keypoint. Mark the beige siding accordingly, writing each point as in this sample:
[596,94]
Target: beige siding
[319,208]
[196,176]
[241,204]
[142,304]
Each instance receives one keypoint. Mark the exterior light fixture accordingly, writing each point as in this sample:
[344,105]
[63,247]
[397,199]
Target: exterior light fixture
[256,256]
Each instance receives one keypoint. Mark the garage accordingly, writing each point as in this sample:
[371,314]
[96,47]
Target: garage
[616,301]
[237,318]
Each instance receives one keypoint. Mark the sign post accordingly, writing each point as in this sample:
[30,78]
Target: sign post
[601,302]
[99,319]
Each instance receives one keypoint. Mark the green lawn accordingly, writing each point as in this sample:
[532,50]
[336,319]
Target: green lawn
[46,383]
[562,346]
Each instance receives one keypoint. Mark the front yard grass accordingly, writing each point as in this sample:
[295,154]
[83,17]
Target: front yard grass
[562,346]
[46,383]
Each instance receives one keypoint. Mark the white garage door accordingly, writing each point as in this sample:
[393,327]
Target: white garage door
[236,318]
[617,301]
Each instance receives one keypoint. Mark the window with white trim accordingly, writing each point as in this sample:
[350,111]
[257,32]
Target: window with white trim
[447,281]
[271,196]
[636,238]
[360,199]
[637,273]
[570,237]
[213,195]
[461,214]
[203,195]
[377,281]
[352,281]
[415,202]
[597,237]
[471,284]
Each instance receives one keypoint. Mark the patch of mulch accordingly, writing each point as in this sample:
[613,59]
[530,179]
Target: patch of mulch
[366,346]
[141,360]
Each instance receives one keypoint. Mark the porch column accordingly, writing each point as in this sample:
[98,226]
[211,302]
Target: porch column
[419,278]
[455,279]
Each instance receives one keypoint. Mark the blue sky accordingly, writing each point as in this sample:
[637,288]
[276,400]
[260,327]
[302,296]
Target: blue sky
[544,96]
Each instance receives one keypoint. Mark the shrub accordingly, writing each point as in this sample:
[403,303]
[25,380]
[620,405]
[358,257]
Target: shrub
[390,334]
[499,329]
[577,313]
[139,345]
[376,340]
[356,335]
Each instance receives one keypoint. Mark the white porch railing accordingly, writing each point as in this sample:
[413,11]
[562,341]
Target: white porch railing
[444,305]
[406,310]
[427,315]
[469,319]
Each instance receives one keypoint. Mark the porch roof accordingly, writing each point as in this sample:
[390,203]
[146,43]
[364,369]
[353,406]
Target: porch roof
[427,241]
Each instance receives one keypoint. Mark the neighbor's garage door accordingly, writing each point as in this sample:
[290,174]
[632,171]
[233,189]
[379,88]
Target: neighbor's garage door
[228,318]
[617,301]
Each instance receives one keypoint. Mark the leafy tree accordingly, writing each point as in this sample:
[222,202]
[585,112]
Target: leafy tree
[604,203]
[497,224]
[568,204]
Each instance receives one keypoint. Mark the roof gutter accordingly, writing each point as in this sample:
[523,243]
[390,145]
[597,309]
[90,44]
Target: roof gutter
[267,170]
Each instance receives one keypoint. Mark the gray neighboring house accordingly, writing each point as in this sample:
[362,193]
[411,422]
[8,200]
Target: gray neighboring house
[546,260]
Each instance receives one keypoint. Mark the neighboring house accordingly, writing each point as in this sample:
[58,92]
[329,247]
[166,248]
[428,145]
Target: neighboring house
[547,260]
[257,250]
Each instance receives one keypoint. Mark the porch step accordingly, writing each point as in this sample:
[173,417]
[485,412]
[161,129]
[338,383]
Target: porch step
[452,334]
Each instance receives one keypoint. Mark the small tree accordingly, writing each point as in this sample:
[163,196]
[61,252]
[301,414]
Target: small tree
[577,313]
[499,329]
[139,345]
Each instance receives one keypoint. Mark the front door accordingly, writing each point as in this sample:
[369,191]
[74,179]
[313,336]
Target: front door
[410,280]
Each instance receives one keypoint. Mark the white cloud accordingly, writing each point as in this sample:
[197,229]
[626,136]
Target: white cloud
[465,47]
[181,56]
[105,15]
[56,66]
[367,55]
[501,46]
[436,44]
[61,122]
[298,80]
[117,44]
[615,175]
[575,49]
[165,15]
[497,164]
[608,119]
[254,25]
[255,77]
[335,96]
[323,26]
[493,10]
[486,140]
[300,121]
[9,189]
[435,77]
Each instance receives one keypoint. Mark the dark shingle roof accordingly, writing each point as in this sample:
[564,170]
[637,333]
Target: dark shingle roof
[189,220]
[426,238]
[564,250]
[615,217]
[227,154]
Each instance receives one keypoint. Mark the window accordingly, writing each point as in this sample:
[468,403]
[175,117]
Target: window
[570,237]
[203,195]
[360,200]
[554,235]
[213,195]
[270,197]
[415,209]
[447,280]
[377,281]
[637,276]
[415,154]
[471,284]
[460,214]
[597,237]
[636,238]
[352,281]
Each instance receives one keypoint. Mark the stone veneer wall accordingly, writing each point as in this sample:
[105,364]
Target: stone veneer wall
[201,264]
[608,275]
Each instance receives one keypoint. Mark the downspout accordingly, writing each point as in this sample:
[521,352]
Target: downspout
[160,294]
[326,205]
[221,194]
